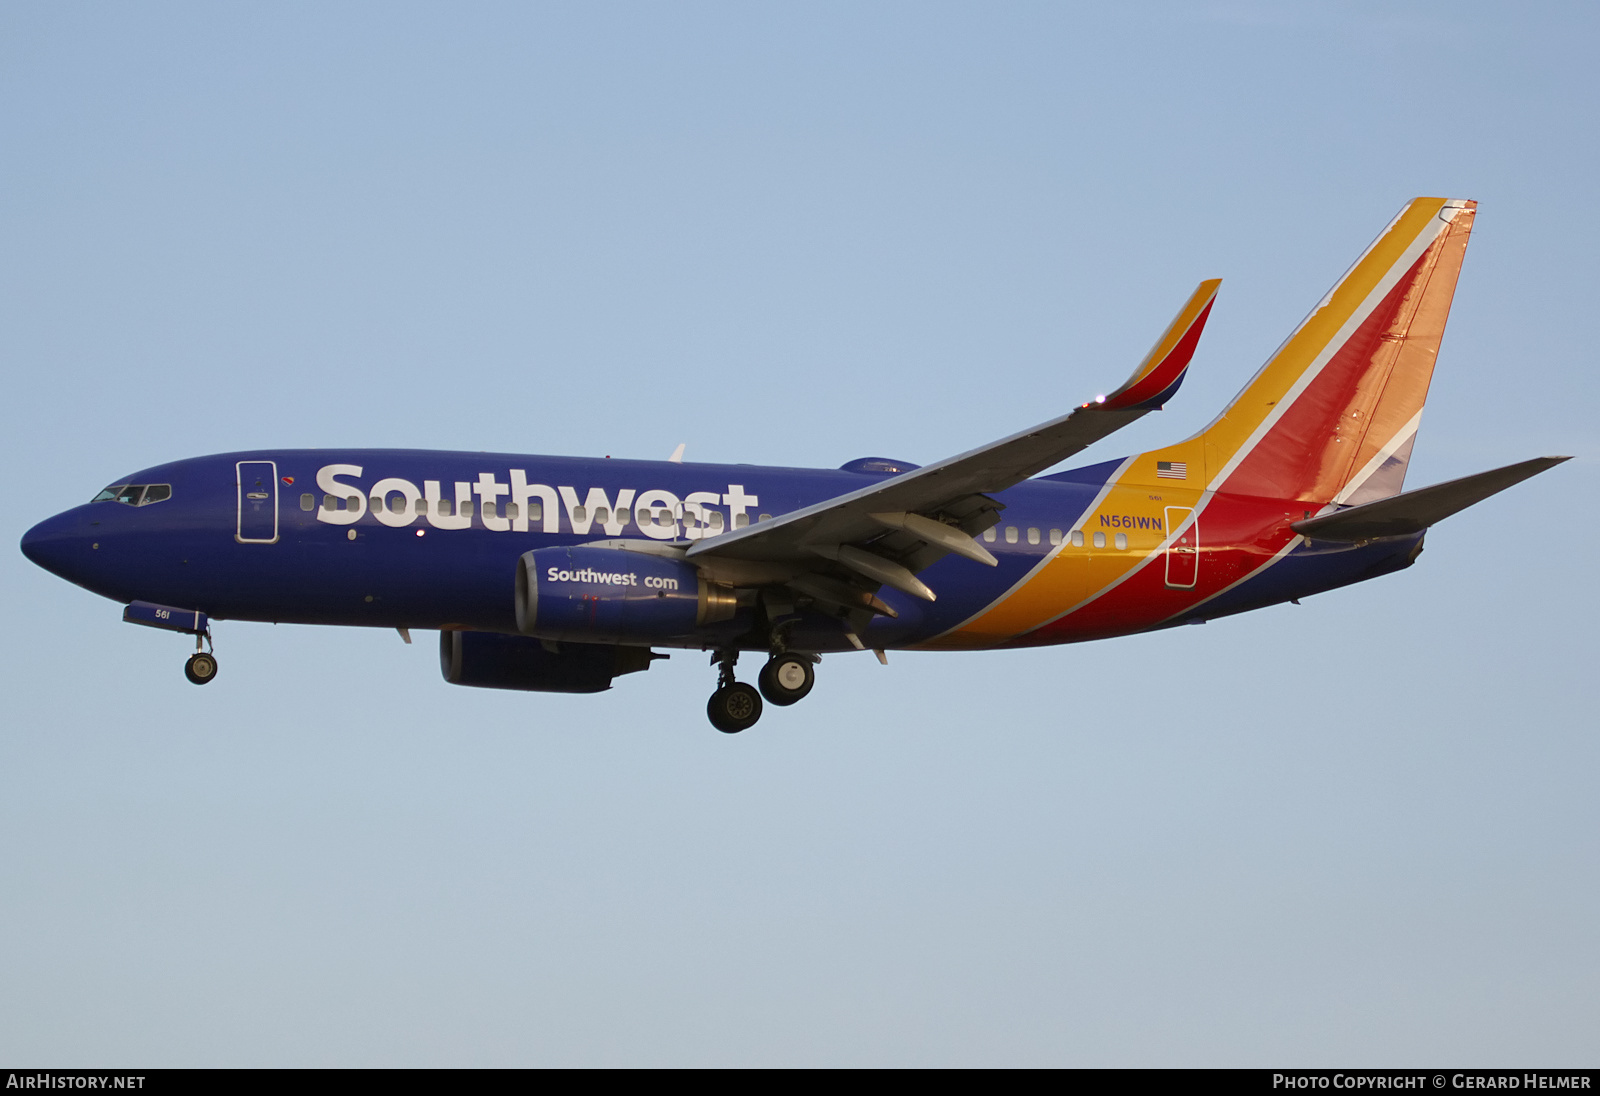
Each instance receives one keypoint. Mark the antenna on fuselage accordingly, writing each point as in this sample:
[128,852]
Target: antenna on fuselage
[677,454]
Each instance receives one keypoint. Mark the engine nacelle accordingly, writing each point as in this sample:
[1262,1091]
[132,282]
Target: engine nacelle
[607,595]
[492,661]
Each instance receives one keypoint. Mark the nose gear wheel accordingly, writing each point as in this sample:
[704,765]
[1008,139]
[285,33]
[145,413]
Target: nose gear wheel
[201,668]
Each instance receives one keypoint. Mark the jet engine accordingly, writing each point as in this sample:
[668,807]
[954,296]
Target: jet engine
[492,661]
[608,595]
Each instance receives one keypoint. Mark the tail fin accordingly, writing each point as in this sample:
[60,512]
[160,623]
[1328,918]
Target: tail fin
[1333,414]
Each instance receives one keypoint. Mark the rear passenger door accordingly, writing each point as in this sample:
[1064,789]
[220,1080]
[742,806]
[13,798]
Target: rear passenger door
[1183,554]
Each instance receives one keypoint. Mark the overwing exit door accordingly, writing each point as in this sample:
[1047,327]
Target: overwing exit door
[258,502]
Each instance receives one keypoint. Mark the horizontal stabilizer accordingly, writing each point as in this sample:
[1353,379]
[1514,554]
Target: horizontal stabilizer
[1414,511]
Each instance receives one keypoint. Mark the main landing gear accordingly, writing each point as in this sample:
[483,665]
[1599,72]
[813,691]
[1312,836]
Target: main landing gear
[201,669]
[735,706]
[785,679]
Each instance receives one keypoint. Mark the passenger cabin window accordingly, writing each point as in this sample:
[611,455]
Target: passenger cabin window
[1011,534]
[1033,536]
[308,502]
[989,534]
[1099,540]
[1122,542]
[1055,536]
[1077,538]
[135,494]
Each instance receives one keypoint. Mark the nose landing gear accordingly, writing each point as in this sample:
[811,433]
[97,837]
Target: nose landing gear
[201,668]
[202,665]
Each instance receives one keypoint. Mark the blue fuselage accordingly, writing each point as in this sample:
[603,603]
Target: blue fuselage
[427,539]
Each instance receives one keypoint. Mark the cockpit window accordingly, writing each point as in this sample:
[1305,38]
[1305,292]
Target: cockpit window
[135,494]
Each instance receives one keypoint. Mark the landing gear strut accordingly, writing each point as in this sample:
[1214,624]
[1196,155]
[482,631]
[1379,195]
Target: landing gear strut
[735,706]
[202,665]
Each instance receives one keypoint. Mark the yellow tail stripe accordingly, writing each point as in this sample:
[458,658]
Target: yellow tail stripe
[1227,437]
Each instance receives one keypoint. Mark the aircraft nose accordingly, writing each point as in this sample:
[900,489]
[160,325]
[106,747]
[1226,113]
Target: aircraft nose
[55,544]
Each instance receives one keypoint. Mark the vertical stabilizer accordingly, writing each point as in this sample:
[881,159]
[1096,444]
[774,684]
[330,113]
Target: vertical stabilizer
[1333,414]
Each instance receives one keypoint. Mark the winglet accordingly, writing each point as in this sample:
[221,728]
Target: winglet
[1162,370]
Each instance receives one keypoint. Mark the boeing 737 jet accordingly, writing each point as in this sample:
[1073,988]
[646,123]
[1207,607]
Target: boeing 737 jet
[560,574]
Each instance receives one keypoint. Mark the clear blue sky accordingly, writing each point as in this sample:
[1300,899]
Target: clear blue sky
[1363,830]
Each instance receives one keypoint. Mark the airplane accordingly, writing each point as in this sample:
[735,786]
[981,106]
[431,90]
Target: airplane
[561,574]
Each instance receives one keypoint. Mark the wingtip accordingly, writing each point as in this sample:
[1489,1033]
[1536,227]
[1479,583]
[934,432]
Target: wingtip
[1163,369]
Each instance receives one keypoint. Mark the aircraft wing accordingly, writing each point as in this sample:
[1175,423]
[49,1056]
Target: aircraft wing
[888,531]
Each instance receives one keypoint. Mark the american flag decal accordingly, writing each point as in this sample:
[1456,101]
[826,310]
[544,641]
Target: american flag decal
[1172,469]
